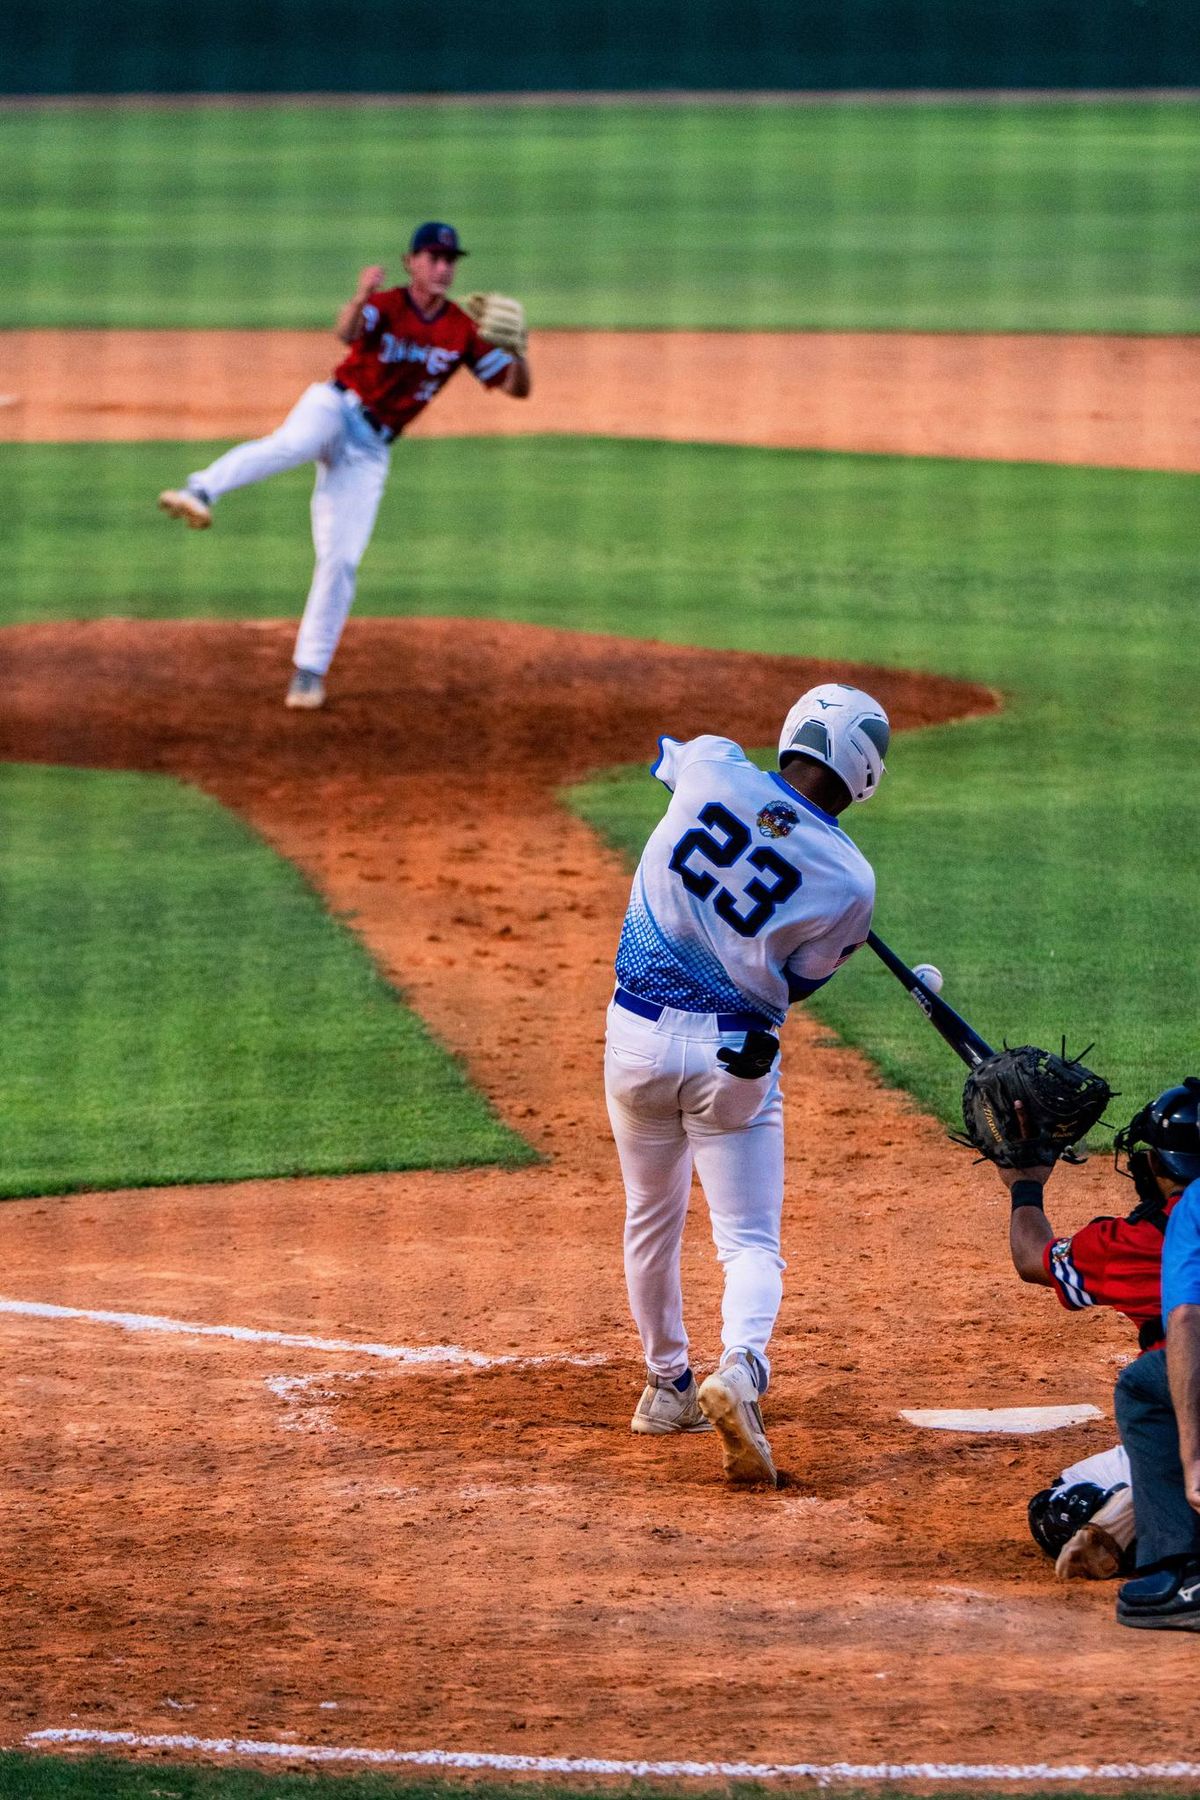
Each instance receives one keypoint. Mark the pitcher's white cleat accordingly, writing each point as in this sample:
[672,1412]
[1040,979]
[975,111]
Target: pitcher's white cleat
[730,1399]
[180,503]
[663,1408]
[305,690]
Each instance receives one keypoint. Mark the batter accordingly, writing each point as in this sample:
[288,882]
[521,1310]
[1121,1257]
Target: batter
[748,897]
[404,344]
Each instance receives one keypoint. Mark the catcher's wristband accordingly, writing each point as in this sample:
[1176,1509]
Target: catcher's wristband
[1028,1193]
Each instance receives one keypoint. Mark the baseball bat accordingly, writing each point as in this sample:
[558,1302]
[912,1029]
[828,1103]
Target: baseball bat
[961,1037]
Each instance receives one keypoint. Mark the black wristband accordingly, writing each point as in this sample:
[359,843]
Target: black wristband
[1027,1193]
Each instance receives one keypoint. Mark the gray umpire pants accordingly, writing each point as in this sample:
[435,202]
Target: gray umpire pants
[1167,1528]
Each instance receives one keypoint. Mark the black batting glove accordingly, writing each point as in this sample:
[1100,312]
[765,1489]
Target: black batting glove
[754,1059]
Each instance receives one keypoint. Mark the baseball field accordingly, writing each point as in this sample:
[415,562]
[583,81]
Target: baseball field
[316,1426]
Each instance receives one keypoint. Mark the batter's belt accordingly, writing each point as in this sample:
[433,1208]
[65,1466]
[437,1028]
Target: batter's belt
[726,1021]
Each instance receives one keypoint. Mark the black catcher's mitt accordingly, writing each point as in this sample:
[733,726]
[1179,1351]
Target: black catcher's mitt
[1027,1106]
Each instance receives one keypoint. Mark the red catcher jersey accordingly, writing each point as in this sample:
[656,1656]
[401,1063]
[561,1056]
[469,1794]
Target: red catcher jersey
[1111,1262]
[401,358]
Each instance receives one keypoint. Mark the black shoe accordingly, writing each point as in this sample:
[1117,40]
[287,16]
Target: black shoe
[1168,1600]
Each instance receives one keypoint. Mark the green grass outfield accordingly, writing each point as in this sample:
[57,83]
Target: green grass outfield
[998,216]
[1047,859]
[42,1777]
[178,1006]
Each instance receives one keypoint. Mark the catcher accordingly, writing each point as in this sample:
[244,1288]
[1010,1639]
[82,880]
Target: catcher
[1022,1110]
[403,345]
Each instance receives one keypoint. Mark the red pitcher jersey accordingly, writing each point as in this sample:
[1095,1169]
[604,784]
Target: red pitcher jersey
[1111,1262]
[401,359]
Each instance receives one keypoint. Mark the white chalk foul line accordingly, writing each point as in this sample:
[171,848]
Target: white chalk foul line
[823,1774]
[292,1340]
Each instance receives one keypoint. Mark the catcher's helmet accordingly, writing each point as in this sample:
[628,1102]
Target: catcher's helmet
[1170,1126]
[843,728]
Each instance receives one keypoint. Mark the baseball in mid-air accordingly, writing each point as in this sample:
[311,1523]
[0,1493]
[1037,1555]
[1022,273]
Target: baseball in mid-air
[930,976]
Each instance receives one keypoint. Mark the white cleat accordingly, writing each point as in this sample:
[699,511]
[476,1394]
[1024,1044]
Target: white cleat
[306,690]
[730,1399]
[663,1409]
[179,503]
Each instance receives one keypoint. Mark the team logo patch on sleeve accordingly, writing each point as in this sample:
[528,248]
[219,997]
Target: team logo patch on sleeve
[1070,1281]
[776,820]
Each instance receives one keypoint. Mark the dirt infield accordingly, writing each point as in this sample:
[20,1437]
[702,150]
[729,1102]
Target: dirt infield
[420,1521]
[429,1547]
[1122,402]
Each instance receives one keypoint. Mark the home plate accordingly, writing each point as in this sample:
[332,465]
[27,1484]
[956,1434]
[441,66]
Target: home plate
[1021,1420]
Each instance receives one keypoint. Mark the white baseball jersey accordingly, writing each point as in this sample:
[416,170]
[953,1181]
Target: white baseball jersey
[747,896]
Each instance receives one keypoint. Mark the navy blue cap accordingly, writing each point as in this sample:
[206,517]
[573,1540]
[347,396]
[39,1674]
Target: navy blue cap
[434,235]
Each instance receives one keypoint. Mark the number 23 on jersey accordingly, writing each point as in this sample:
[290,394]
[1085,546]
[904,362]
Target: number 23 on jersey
[726,842]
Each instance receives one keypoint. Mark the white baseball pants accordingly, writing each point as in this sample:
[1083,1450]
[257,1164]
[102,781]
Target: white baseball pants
[672,1105]
[326,427]
[1107,1468]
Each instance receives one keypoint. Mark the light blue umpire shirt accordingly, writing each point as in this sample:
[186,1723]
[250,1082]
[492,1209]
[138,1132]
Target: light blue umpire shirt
[1181,1253]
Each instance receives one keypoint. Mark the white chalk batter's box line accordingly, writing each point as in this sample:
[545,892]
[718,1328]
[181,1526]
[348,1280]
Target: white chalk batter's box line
[451,1355]
[1003,1420]
[821,1774]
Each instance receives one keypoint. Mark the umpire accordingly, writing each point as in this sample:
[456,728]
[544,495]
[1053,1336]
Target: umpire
[1158,1396]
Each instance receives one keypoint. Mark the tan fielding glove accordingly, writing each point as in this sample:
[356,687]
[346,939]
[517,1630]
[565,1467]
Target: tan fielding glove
[499,319]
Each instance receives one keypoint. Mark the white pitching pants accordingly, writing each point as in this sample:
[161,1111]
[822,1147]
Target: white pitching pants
[673,1106]
[326,427]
